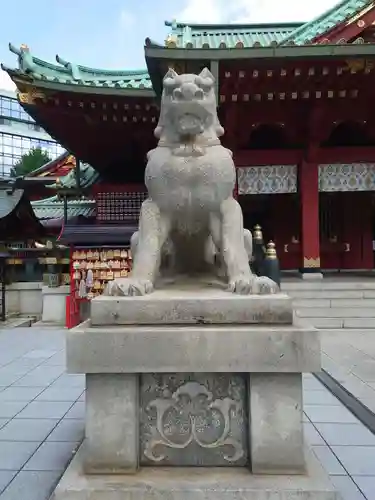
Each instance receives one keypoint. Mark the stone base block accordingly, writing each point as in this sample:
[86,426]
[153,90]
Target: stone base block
[193,348]
[195,484]
[188,303]
[54,304]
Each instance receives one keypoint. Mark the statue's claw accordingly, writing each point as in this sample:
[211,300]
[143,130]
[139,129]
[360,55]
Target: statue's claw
[128,287]
[242,285]
[265,286]
[253,286]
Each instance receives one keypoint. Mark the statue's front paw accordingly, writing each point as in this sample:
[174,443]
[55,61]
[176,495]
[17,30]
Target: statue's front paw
[242,285]
[128,287]
[265,286]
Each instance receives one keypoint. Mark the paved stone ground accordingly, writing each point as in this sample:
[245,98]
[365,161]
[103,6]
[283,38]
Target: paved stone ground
[349,356]
[42,411]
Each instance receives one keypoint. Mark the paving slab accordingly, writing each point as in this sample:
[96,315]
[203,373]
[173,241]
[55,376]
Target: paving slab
[68,429]
[45,409]
[357,460]
[27,429]
[320,397]
[351,354]
[52,456]
[77,411]
[8,409]
[345,434]
[348,489]
[59,394]
[366,485]
[14,454]
[20,393]
[28,485]
[329,461]
[5,478]
[329,414]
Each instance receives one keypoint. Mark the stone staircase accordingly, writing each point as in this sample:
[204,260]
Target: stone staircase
[341,302]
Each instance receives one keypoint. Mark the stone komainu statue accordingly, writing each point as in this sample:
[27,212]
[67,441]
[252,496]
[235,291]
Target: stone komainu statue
[190,217]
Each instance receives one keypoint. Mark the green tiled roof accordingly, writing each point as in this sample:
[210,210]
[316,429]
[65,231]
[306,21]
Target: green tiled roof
[340,12]
[214,36]
[74,74]
[88,177]
[53,208]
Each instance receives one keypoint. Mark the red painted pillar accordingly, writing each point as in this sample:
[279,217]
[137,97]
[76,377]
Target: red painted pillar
[309,198]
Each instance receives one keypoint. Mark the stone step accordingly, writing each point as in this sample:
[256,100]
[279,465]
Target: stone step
[340,323]
[333,303]
[330,294]
[327,285]
[336,312]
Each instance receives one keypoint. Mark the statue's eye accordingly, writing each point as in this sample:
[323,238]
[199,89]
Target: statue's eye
[205,88]
[170,85]
[204,83]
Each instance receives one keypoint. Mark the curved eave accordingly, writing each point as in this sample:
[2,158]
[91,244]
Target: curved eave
[49,165]
[233,26]
[9,202]
[22,80]
[292,51]
[70,71]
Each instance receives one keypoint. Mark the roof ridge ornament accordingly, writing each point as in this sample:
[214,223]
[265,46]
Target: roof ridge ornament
[171,41]
[73,68]
[25,59]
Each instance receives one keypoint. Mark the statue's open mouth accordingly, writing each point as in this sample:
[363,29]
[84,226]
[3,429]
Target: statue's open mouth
[189,118]
[189,124]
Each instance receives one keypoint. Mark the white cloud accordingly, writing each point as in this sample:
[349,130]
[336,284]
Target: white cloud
[5,82]
[251,11]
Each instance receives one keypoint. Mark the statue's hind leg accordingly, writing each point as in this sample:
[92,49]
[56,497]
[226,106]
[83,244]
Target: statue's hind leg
[153,232]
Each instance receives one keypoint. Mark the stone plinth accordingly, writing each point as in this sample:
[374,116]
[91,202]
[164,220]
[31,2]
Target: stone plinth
[201,348]
[192,305]
[54,304]
[174,380]
[216,483]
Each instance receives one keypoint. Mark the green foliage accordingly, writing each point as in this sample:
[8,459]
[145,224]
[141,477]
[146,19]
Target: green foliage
[29,162]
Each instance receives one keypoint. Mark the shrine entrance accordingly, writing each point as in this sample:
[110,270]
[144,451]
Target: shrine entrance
[346,231]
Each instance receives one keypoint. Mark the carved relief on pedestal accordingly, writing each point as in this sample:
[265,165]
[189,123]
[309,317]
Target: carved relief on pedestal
[194,420]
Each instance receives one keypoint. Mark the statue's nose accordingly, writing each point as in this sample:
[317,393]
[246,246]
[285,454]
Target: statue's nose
[188,92]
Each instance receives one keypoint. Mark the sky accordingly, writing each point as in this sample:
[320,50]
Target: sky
[111,33]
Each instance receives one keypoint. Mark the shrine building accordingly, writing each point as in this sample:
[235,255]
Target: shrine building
[296,102]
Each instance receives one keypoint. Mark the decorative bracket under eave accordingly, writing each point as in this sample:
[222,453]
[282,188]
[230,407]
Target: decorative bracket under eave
[30,97]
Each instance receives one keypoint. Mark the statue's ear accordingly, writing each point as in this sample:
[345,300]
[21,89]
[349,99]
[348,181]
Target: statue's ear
[206,73]
[170,74]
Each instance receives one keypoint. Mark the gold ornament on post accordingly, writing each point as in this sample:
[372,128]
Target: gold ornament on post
[258,235]
[271,251]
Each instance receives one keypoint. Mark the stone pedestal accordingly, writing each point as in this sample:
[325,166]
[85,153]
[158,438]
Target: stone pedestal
[54,304]
[199,379]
